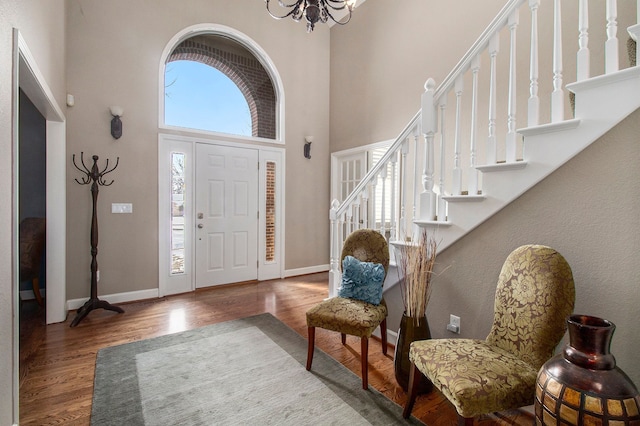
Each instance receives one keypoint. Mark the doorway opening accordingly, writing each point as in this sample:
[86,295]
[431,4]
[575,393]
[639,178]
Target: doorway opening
[28,78]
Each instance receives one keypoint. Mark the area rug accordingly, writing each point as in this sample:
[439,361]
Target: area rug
[249,371]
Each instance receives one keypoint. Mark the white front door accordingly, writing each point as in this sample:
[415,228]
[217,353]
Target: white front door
[226,214]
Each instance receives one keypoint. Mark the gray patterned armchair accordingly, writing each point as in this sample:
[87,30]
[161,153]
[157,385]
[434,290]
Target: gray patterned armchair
[351,316]
[534,296]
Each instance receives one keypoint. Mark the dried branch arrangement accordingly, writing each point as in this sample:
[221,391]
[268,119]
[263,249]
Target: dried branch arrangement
[416,266]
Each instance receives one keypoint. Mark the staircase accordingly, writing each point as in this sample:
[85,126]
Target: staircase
[465,155]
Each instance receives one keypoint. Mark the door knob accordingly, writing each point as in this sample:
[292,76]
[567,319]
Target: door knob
[200,226]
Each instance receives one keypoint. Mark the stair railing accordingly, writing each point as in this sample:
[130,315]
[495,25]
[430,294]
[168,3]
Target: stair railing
[419,153]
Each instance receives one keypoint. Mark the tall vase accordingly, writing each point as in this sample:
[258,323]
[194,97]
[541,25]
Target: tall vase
[411,329]
[582,385]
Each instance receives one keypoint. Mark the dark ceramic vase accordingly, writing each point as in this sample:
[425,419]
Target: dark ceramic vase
[582,385]
[411,329]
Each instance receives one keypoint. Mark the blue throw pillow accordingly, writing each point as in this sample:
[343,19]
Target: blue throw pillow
[361,280]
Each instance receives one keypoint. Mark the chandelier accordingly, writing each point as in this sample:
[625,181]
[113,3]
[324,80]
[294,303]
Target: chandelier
[315,11]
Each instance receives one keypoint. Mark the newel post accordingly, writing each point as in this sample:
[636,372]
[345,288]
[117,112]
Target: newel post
[428,196]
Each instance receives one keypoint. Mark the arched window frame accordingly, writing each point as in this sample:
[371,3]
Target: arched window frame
[251,46]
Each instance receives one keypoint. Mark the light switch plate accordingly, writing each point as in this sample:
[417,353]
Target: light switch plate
[121,208]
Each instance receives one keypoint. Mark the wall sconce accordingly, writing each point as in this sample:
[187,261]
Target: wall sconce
[307,146]
[116,123]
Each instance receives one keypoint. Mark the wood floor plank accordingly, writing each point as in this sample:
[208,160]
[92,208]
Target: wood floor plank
[57,363]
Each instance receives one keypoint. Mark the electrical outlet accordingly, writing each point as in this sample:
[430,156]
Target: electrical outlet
[454,324]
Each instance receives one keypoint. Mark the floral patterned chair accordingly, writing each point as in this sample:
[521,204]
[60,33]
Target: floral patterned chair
[534,296]
[352,316]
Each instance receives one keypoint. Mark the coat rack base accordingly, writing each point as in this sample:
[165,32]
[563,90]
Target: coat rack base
[92,304]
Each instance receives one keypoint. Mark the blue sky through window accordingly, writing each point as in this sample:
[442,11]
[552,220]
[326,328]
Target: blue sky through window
[199,96]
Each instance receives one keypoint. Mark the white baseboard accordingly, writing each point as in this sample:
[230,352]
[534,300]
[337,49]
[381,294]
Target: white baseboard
[392,336]
[304,271]
[130,296]
[153,293]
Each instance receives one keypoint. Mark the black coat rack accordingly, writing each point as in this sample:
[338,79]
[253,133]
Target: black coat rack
[95,177]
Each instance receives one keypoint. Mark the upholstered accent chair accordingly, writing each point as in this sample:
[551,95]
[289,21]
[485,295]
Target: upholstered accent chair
[534,296]
[352,316]
[32,232]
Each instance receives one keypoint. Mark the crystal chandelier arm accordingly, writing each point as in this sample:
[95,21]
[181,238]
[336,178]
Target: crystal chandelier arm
[314,10]
[340,4]
[295,12]
[295,3]
[328,4]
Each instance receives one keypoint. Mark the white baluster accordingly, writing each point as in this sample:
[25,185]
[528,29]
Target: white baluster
[356,212]
[372,197]
[442,204]
[611,46]
[492,146]
[557,96]
[383,202]
[404,150]
[392,219]
[349,220]
[334,272]
[457,169]
[513,22]
[416,178]
[365,210]
[584,55]
[427,197]
[534,100]
[473,172]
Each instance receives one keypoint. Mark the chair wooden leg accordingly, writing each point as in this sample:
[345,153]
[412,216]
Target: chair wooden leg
[415,378]
[465,421]
[36,291]
[344,338]
[383,335]
[311,336]
[364,349]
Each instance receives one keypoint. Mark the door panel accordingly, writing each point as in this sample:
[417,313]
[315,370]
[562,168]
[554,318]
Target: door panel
[226,214]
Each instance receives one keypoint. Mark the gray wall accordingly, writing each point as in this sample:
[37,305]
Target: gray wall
[588,209]
[41,23]
[114,52]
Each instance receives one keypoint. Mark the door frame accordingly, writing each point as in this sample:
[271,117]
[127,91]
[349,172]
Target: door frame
[28,77]
[169,142]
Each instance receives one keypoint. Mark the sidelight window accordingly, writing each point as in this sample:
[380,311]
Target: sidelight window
[178,193]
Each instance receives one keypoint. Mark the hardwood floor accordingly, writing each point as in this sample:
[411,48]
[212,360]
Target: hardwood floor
[57,362]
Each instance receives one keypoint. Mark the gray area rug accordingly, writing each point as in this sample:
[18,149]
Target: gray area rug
[242,372]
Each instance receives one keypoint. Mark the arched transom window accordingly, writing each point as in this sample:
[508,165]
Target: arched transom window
[214,83]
